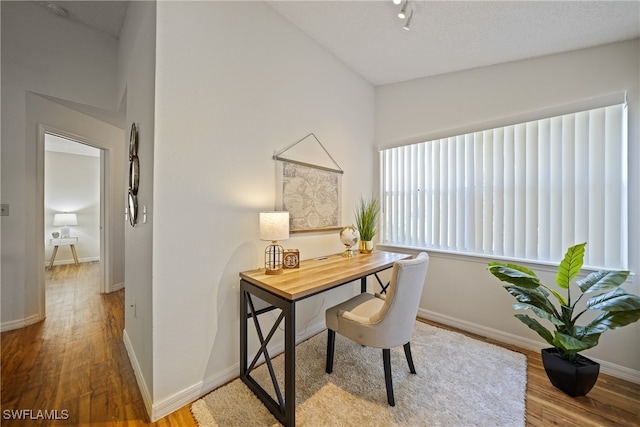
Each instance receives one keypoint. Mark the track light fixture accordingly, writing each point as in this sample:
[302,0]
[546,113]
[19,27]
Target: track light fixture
[58,10]
[406,24]
[403,12]
[406,12]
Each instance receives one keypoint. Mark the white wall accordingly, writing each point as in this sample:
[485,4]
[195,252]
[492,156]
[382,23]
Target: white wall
[136,83]
[235,82]
[458,289]
[72,184]
[46,54]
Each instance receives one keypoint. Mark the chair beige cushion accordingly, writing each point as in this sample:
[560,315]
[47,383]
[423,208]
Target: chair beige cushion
[386,321]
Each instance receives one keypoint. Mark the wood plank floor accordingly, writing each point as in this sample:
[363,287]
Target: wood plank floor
[75,361]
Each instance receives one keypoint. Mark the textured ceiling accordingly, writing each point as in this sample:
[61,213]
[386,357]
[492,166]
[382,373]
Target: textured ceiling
[445,36]
[105,16]
[449,36]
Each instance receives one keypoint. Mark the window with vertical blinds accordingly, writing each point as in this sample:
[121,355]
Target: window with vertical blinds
[525,191]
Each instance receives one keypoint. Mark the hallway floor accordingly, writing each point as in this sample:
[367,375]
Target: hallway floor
[74,364]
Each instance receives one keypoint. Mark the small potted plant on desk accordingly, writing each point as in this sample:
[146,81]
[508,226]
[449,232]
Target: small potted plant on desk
[567,370]
[366,217]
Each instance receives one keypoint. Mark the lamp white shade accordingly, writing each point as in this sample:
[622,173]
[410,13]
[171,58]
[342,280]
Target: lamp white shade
[274,225]
[65,219]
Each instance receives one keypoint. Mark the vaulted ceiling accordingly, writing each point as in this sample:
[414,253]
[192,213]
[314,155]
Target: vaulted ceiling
[444,36]
[449,36]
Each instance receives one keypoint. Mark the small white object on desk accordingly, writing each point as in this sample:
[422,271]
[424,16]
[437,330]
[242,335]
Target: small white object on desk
[55,242]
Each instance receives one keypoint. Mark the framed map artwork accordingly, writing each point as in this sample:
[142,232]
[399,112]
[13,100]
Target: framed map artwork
[309,186]
[312,195]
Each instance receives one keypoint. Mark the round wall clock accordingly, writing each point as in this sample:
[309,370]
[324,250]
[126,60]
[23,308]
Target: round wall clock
[133,141]
[133,209]
[134,174]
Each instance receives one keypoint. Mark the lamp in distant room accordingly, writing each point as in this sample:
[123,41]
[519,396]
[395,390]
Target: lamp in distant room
[65,220]
[274,226]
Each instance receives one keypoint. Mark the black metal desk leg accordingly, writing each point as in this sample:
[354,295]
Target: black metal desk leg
[363,285]
[243,333]
[290,365]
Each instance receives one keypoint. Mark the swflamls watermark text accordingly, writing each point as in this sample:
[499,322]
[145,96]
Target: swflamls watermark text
[31,414]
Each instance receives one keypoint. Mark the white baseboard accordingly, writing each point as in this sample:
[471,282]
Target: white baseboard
[71,261]
[608,368]
[185,397]
[142,385]
[117,286]
[20,323]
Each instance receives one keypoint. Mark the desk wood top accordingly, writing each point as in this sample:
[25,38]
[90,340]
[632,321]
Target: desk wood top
[322,273]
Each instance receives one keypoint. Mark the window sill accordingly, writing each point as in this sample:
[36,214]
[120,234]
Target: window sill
[484,259]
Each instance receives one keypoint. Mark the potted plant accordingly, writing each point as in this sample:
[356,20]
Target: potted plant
[567,370]
[366,217]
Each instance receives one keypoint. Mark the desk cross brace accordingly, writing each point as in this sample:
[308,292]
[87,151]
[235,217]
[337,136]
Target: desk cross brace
[383,286]
[263,348]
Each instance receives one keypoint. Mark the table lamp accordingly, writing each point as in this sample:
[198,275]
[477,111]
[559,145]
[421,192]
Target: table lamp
[274,226]
[65,220]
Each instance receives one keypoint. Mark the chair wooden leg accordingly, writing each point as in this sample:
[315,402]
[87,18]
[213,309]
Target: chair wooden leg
[386,360]
[407,352]
[331,342]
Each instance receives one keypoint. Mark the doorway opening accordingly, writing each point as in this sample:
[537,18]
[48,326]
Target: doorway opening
[74,209]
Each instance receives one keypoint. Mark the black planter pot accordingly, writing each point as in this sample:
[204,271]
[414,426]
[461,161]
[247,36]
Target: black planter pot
[574,378]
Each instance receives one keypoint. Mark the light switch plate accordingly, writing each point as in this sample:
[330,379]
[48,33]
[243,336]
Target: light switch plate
[4,209]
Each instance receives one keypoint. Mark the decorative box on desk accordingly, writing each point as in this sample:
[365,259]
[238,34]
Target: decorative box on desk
[291,258]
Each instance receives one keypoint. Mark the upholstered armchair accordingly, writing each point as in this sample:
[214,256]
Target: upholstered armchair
[382,321]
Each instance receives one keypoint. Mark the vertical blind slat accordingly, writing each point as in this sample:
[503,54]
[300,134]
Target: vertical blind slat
[498,191]
[531,194]
[582,180]
[544,189]
[568,180]
[555,188]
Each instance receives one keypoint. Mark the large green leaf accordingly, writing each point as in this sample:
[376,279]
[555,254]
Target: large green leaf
[539,312]
[572,344]
[603,280]
[562,300]
[612,320]
[570,265]
[535,297]
[536,326]
[514,274]
[616,300]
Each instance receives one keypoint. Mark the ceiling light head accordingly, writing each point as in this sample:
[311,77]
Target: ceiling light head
[403,12]
[408,23]
[397,1]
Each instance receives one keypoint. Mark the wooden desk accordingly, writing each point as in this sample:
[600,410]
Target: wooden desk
[57,241]
[283,291]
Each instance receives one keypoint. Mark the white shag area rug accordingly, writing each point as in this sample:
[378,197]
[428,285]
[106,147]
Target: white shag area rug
[459,382]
